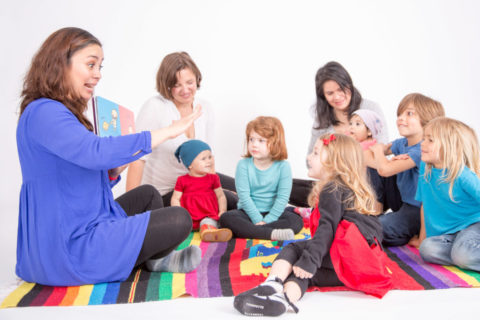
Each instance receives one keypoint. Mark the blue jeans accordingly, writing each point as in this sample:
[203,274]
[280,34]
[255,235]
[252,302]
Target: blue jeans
[461,249]
[400,226]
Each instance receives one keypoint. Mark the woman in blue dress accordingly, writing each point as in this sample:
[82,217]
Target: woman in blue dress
[71,231]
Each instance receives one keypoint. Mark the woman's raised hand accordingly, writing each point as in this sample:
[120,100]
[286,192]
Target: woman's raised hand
[180,126]
[176,128]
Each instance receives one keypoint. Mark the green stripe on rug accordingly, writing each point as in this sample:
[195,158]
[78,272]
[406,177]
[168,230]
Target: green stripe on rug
[186,242]
[153,286]
[472,274]
[166,283]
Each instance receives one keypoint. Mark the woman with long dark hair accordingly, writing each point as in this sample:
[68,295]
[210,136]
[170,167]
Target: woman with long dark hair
[337,99]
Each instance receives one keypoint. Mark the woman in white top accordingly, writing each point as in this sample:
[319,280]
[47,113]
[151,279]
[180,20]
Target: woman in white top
[178,79]
[337,99]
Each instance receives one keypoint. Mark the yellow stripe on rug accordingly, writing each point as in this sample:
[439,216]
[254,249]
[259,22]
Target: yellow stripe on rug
[83,295]
[14,298]
[464,276]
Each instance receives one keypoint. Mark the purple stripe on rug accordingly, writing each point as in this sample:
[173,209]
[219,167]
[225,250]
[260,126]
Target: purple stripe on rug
[414,254]
[436,283]
[202,271]
[214,285]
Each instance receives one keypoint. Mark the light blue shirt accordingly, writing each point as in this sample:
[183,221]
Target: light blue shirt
[441,214]
[263,190]
[407,180]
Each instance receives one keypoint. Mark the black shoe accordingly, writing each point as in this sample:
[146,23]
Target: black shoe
[264,289]
[255,305]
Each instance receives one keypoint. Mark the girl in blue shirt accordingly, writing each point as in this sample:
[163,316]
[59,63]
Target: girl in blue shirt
[70,230]
[449,188]
[263,180]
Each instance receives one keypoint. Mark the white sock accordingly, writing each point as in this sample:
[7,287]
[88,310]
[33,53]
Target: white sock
[274,282]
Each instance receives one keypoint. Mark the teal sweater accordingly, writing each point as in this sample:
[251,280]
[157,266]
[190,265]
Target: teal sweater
[261,191]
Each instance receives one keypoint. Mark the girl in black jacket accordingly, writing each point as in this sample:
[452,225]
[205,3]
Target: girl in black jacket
[342,194]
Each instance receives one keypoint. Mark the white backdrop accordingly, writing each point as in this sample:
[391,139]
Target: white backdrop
[256,57]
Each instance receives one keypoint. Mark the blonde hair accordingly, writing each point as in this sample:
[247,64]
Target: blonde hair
[426,108]
[457,147]
[271,129]
[347,166]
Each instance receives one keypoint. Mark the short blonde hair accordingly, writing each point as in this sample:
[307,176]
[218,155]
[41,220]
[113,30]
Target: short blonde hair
[457,147]
[170,66]
[346,163]
[426,108]
[271,129]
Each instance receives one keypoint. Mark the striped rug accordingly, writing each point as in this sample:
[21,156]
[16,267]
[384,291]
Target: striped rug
[226,270]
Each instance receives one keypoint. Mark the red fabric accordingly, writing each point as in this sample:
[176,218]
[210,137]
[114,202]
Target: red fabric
[198,196]
[314,218]
[358,265]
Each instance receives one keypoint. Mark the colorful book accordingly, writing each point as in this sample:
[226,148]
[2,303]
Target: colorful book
[111,119]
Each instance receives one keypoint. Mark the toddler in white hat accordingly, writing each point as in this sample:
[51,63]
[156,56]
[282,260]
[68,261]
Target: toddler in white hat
[365,126]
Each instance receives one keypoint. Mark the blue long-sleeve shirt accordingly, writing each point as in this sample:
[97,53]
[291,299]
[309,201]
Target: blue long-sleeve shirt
[70,229]
[263,190]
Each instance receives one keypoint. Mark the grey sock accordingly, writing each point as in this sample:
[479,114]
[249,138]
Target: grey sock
[182,261]
[282,234]
[209,221]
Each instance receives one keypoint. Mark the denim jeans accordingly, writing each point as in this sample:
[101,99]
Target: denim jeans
[400,226]
[461,249]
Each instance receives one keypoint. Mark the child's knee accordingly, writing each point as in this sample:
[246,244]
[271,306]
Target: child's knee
[428,249]
[467,255]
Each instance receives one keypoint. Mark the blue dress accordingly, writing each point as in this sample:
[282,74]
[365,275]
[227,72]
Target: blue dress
[70,229]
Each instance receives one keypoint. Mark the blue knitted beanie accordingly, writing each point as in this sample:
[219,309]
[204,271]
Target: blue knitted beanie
[189,150]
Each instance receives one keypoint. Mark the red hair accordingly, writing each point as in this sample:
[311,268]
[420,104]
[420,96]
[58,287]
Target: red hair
[271,129]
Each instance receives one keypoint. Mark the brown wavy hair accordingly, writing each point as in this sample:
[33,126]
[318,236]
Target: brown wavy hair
[47,76]
[271,129]
[172,64]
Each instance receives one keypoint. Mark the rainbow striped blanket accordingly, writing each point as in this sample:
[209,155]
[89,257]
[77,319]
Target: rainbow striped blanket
[227,269]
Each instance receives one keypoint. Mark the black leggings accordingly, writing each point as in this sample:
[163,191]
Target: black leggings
[323,277]
[242,227]
[300,191]
[167,227]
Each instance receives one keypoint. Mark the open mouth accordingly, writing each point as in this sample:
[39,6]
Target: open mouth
[90,87]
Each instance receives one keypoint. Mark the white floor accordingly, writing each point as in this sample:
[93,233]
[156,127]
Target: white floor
[432,304]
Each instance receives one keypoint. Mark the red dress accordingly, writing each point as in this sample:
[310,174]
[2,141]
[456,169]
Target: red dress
[198,196]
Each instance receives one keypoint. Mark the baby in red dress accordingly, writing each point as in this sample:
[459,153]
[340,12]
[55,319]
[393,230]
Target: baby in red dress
[200,191]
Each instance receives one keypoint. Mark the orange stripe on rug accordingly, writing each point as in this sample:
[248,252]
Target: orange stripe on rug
[131,296]
[70,296]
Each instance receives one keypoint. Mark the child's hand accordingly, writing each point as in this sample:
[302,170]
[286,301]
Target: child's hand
[404,156]
[261,223]
[381,148]
[300,273]
[415,241]
[115,172]
[221,212]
